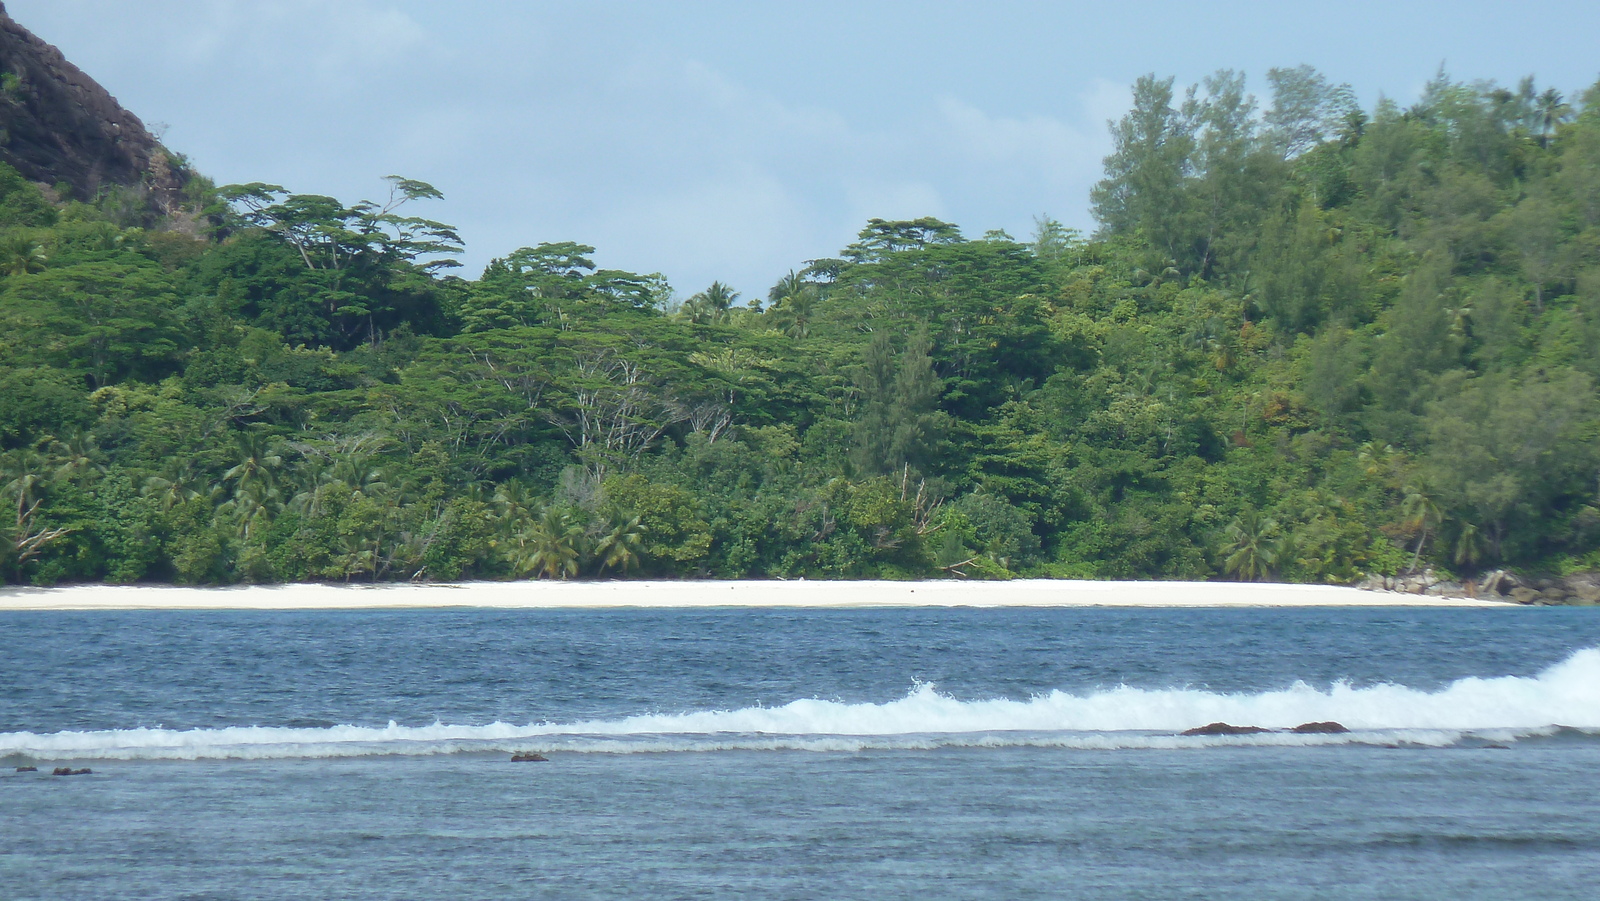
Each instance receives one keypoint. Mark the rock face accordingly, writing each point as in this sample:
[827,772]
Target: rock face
[58,125]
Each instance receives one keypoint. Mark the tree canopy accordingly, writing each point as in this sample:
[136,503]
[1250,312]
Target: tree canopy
[1308,341]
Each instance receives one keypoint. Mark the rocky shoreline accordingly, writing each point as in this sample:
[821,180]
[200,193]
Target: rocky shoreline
[1579,589]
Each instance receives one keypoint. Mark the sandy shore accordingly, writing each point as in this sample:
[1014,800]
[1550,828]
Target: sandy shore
[1021,593]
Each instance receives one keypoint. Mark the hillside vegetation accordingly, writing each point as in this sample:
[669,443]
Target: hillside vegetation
[1309,342]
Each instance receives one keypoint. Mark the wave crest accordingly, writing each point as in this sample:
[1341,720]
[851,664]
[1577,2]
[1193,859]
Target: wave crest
[1496,709]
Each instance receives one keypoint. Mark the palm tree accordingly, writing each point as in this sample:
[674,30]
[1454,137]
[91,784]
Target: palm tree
[793,304]
[711,305]
[357,553]
[248,509]
[1469,545]
[787,287]
[259,461]
[20,254]
[355,474]
[253,490]
[1550,110]
[77,455]
[176,484]
[26,475]
[621,546]
[1383,463]
[513,501]
[1252,546]
[551,545]
[1421,513]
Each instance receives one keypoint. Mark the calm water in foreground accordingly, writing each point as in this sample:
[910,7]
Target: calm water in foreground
[878,754]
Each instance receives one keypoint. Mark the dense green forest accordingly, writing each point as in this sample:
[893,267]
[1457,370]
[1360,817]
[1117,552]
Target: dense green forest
[1308,342]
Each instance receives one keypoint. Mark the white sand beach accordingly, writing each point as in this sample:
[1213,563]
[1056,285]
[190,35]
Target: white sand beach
[798,593]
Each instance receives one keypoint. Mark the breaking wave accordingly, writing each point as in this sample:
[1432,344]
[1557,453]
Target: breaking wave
[1564,700]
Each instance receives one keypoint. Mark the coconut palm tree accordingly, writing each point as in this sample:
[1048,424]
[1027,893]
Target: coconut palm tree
[793,305]
[1421,513]
[711,305]
[552,545]
[1550,110]
[787,287]
[621,546]
[20,254]
[257,469]
[26,475]
[76,456]
[1252,546]
[356,553]
[513,502]
[175,484]
[248,510]
[1468,545]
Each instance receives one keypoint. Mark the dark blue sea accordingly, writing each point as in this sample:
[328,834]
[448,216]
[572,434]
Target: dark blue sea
[788,754]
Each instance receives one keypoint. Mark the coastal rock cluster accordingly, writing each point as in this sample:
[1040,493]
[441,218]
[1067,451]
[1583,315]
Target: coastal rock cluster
[1579,589]
[59,126]
[1323,728]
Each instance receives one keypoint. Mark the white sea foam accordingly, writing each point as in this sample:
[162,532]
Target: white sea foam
[1491,709]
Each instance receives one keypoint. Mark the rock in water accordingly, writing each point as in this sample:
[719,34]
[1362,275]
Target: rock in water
[1224,729]
[1328,728]
[27,769]
[69,771]
[530,757]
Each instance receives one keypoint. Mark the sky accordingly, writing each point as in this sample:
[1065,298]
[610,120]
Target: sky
[734,140]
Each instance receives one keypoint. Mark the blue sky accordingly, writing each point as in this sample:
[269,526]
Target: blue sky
[733,141]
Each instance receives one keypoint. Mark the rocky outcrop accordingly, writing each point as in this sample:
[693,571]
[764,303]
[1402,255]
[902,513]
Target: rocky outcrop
[1424,582]
[57,125]
[1224,729]
[1326,728]
[1576,589]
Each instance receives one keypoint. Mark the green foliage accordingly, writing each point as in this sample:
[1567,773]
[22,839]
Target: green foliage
[1309,342]
[22,204]
[554,284]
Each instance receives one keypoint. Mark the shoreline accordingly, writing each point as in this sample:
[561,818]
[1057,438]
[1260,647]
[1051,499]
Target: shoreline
[704,594]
